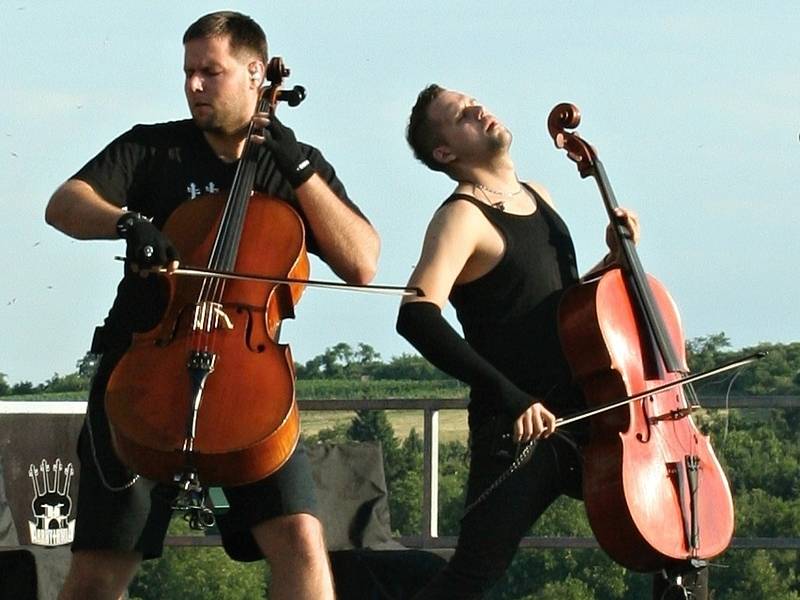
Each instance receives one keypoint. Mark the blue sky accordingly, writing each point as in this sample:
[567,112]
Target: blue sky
[694,109]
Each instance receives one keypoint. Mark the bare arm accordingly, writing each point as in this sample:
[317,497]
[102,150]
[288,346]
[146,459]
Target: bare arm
[80,212]
[348,243]
[458,243]
[450,241]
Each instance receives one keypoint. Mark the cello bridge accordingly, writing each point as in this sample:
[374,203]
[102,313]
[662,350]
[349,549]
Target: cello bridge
[673,415]
[210,315]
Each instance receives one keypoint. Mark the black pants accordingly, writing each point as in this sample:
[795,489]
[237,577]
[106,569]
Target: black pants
[492,530]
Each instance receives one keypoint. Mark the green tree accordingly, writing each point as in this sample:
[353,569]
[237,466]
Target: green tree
[337,433]
[67,383]
[374,425]
[329,364]
[5,389]
[23,388]
[198,574]
[87,365]
[569,589]
[757,575]
[453,469]
[756,457]
[761,456]
[706,352]
[343,362]
[405,503]
[367,356]
[777,373]
[409,366]
[405,486]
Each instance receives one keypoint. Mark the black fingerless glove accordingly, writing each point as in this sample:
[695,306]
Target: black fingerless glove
[146,245]
[292,164]
[422,324]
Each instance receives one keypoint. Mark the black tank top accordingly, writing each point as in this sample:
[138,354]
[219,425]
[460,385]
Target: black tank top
[509,315]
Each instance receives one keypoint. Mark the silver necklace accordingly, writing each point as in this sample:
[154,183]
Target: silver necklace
[500,204]
[484,188]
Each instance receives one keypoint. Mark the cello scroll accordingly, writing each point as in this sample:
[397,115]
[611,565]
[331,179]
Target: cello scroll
[568,116]
[277,71]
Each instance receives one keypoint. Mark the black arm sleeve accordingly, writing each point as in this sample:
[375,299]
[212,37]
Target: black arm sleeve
[423,325]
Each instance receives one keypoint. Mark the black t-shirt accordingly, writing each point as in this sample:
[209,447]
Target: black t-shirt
[152,169]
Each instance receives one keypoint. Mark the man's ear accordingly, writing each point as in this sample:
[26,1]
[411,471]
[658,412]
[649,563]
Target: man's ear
[443,155]
[256,70]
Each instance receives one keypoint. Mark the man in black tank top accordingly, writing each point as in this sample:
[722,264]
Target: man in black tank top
[500,253]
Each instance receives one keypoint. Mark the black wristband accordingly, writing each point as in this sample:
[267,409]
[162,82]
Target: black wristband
[126,222]
[302,173]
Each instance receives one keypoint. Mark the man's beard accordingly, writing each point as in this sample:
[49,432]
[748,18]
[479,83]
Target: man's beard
[209,123]
[219,117]
[499,143]
[215,125]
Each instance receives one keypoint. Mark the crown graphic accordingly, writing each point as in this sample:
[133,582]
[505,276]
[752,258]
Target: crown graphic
[51,504]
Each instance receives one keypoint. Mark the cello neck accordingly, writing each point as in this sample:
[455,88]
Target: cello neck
[658,340]
[658,345]
[224,251]
[223,255]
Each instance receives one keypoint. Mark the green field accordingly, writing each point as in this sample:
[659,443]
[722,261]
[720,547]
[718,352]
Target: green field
[452,423]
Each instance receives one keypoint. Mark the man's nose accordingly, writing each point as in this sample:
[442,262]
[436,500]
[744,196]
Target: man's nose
[194,83]
[477,112]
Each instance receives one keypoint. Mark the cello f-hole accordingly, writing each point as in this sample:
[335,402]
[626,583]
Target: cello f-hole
[647,436]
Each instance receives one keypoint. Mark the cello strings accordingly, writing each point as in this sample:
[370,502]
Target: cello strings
[223,254]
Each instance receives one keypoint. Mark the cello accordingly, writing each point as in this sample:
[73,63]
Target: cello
[655,494]
[207,395]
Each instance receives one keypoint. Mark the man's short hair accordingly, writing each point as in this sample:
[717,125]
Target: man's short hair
[421,134]
[244,34]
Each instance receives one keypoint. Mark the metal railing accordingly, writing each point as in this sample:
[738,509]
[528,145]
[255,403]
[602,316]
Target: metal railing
[429,537]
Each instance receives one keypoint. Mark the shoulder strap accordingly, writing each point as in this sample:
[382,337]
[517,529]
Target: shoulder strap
[553,218]
[558,228]
[466,197]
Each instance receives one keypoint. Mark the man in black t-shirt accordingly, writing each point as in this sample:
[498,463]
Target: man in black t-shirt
[128,191]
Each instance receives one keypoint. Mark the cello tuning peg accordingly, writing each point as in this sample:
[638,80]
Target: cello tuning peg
[294,96]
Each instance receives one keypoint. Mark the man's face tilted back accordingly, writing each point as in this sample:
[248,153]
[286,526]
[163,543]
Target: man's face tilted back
[470,132]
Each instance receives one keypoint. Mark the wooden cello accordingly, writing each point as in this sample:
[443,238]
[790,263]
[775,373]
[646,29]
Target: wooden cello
[208,394]
[655,494]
